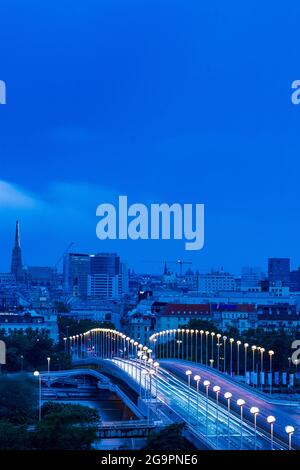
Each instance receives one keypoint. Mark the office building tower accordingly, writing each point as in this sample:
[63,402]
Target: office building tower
[279,271]
[75,274]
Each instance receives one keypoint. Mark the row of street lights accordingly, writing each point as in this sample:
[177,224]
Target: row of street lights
[241,403]
[184,344]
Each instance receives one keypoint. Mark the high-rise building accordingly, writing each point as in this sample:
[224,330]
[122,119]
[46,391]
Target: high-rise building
[108,277]
[16,259]
[279,271]
[105,263]
[75,274]
[101,276]
[295,280]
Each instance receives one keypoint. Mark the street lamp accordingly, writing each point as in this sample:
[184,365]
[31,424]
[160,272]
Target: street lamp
[206,347]
[145,373]
[238,344]
[48,361]
[218,350]
[271,354]
[228,397]
[206,384]
[231,340]
[217,390]
[246,346]
[197,379]
[156,366]
[179,342]
[201,345]
[38,375]
[240,402]
[290,431]
[254,410]
[253,358]
[188,373]
[271,420]
[212,346]
[224,339]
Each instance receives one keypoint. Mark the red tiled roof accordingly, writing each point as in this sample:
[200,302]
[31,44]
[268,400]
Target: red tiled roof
[186,309]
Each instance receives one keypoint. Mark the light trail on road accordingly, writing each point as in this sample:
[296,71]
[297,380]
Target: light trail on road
[214,425]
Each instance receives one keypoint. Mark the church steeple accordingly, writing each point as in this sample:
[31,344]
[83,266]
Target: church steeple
[17,236]
[16,259]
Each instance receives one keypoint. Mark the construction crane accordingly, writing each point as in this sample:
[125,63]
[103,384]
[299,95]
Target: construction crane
[64,253]
[178,262]
[181,263]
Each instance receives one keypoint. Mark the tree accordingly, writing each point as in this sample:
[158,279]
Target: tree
[13,437]
[170,438]
[73,413]
[66,427]
[18,399]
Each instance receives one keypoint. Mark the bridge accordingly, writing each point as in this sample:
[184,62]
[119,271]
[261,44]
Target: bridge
[195,377]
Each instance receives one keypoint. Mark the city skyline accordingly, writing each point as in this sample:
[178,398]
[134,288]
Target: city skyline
[16,256]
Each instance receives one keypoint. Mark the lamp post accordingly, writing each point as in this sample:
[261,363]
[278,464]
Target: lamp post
[187,344]
[271,354]
[228,397]
[38,375]
[206,347]
[290,431]
[271,420]
[22,362]
[224,340]
[212,346]
[48,364]
[253,358]
[150,373]
[218,350]
[231,340]
[201,345]
[192,332]
[262,350]
[240,402]
[254,410]
[156,366]
[179,342]
[217,390]
[145,374]
[140,354]
[206,384]
[246,346]
[197,379]
[238,344]
[188,373]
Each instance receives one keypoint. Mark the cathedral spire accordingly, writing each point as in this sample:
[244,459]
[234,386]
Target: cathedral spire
[16,258]
[17,236]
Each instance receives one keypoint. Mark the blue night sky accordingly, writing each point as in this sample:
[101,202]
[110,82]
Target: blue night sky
[161,100]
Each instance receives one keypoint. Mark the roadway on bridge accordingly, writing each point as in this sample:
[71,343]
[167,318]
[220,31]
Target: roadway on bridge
[285,413]
[212,423]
